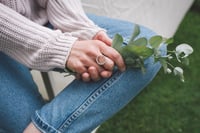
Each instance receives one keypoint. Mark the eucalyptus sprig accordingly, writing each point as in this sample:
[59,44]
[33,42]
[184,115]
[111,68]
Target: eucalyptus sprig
[140,48]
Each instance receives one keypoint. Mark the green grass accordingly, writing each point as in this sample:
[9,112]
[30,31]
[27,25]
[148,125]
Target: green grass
[166,105]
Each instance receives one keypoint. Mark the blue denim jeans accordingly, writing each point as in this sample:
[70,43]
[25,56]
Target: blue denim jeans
[81,106]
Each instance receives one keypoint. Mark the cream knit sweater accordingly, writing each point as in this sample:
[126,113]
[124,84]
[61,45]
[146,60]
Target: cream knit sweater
[24,38]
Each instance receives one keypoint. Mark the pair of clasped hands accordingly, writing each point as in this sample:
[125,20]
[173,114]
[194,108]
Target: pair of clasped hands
[84,56]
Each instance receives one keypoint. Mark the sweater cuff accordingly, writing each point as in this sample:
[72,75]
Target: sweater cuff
[59,49]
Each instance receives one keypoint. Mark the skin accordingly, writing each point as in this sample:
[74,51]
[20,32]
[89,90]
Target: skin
[84,64]
[82,61]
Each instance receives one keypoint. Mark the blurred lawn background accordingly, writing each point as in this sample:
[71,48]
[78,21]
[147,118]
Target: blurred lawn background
[167,105]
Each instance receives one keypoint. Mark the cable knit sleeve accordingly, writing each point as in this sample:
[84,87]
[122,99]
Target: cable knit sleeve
[69,16]
[32,44]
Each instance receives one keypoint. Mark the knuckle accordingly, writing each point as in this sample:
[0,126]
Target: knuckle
[80,69]
[111,63]
[116,56]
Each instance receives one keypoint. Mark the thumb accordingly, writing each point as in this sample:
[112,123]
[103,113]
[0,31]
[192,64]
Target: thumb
[102,36]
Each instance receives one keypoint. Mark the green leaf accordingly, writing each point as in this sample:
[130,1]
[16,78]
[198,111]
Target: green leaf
[169,41]
[155,41]
[141,41]
[136,32]
[135,62]
[129,61]
[164,64]
[142,51]
[117,42]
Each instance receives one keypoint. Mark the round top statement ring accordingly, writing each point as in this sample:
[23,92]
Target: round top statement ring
[101,60]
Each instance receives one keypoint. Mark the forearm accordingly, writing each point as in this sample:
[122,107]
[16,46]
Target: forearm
[31,44]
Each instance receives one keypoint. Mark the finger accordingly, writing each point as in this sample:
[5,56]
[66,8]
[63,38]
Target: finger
[76,66]
[92,62]
[109,64]
[106,74]
[85,77]
[107,40]
[114,56]
[94,74]
[102,36]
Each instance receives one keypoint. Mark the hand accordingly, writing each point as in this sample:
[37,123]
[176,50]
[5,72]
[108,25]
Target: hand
[83,55]
[102,36]
[92,71]
[93,74]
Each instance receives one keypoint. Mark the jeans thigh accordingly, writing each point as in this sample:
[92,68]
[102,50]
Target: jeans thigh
[122,27]
[19,96]
[81,106]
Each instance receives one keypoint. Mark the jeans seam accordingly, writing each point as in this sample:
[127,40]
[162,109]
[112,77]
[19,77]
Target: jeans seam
[38,121]
[88,102]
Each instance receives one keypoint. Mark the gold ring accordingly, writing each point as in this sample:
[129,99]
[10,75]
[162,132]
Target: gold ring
[101,60]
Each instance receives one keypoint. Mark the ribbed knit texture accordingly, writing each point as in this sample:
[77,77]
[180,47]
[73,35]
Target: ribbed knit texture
[23,37]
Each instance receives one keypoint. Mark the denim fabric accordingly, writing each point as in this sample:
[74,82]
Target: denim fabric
[81,106]
[19,96]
